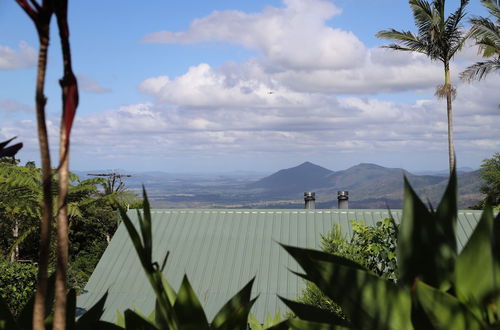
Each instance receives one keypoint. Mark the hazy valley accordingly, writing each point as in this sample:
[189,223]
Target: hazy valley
[369,186]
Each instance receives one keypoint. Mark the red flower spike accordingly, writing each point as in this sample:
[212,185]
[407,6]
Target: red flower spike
[70,104]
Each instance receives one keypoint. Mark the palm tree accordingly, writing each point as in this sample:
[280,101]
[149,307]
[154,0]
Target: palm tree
[439,38]
[487,35]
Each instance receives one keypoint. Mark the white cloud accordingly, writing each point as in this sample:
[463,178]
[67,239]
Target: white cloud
[89,85]
[204,86]
[298,49]
[295,36]
[23,58]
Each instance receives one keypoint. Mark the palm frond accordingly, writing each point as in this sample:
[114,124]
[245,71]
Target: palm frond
[486,33]
[405,41]
[493,7]
[422,13]
[452,23]
[479,70]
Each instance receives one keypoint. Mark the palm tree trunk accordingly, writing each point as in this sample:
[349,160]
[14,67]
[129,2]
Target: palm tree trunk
[15,233]
[449,99]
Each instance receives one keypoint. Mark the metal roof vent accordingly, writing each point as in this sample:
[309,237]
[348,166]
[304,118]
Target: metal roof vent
[309,200]
[343,199]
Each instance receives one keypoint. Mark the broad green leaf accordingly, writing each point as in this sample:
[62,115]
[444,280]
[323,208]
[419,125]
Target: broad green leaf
[134,236]
[234,314]
[283,325]
[477,268]
[145,226]
[444,310]
[312,313]
[426,247]
[369,301]
[165,316]
[137,322]
[93,314]
[297,324]
[188,309]
[253,323]
[7,321]
[171,294]
[120,319]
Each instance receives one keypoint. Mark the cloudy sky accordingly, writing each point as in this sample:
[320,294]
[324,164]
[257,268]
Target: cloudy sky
[214,86]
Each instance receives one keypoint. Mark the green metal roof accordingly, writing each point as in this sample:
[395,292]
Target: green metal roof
[221,250]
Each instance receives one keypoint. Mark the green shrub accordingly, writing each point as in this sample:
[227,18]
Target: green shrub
[372,247]
[437,288]
[17,284]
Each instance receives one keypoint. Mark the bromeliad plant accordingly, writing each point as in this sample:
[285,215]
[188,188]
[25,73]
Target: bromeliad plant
[437,287]
[181,310]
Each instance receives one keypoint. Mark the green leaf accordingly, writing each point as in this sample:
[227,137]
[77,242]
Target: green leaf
[297,324]
[234,314]
[444,310]
[137,322]
[146,227]
[253,323]
[7,321]
[134,236]
[283,325]
[120,319]
[312,313]
[188,309]
[478,265]
[426,247]
[369,301]
[93,314]
[171,294]
[25,319]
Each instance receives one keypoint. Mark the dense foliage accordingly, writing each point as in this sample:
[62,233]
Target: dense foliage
[490,172]
[17,283]
[438,288]
[372,247]
[92,216]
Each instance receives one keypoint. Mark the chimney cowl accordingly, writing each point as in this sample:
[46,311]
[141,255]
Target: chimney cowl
[309,200]
[343,199]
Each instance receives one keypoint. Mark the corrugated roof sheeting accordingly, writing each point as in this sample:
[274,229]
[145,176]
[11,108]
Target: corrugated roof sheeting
[221,250]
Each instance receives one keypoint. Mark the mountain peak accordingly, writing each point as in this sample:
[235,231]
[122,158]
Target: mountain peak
[304,176]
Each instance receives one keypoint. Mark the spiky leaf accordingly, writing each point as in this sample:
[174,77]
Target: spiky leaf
[478,265]
[312,313]
[444,310]
[93,314]
[137,322]
[368,301]
[188,309]
[234,314]
[426,243]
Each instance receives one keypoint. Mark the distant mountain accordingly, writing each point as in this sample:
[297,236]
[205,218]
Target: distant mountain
[369,185]
[446,172]
[299,178]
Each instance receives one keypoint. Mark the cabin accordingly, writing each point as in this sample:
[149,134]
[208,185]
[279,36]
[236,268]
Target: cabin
[220,250]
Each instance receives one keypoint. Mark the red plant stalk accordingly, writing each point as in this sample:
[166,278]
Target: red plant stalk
[41,16]
[70,103]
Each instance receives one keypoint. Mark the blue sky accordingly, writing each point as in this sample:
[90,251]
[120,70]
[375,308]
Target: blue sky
[214,86]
